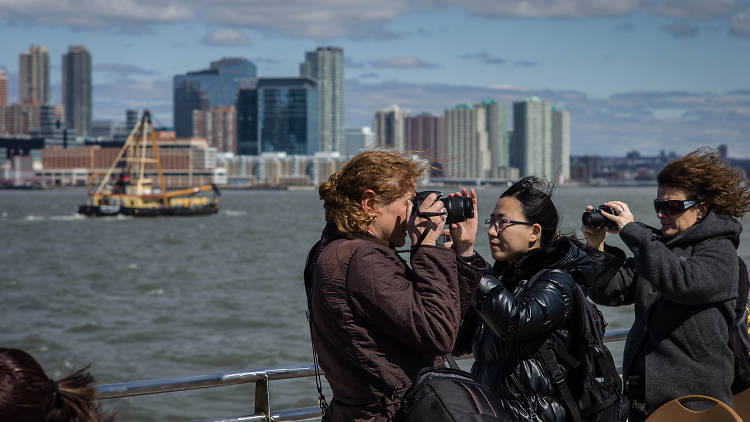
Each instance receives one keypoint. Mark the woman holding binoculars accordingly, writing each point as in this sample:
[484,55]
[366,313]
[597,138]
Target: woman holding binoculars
[373,316]
[682,279]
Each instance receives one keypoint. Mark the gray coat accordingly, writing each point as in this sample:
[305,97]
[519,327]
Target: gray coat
[684,290]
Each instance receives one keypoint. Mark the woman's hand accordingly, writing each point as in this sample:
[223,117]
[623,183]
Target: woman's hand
[434,225]
[595,237]
[623,217]
[464,233]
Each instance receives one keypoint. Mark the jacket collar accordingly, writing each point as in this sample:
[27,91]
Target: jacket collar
[562,253]
[331,233]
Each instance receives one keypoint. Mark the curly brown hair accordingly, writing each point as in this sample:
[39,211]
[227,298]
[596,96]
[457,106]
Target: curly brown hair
[389,175]
[706,176]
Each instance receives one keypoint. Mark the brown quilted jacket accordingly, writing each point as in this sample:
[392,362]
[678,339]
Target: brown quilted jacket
[378,313]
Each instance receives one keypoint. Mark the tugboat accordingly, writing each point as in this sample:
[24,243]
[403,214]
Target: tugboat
[130,192]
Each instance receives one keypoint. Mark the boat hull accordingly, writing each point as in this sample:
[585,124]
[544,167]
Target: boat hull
[100,211]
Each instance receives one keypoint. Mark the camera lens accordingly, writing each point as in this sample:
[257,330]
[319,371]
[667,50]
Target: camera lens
[459,209]
[596,220]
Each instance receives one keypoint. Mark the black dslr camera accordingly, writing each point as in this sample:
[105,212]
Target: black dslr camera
[459,208]
[596,220]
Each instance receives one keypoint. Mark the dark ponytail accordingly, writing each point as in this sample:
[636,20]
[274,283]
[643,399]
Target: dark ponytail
[27,394]
[535,196]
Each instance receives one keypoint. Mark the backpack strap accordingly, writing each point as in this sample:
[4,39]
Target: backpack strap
[555,371]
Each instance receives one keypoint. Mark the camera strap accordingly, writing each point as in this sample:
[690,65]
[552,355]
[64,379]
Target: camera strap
[423,235]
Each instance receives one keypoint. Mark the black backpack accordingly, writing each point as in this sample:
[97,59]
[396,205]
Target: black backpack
[739,334]
[593,391]
[450,395]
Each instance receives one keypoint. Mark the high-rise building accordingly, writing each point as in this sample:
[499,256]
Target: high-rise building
[389,128]
[212,87]
[425,135]
[358,139]
[467,149]
[33,76]
[326,65]
[219,126]
[131,119]
[76,89]
[3,88]
[278,115]
[531,151]
[496,126]
[561,145]
[20,119]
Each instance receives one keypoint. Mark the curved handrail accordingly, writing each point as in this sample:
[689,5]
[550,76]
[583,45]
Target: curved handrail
[260,377]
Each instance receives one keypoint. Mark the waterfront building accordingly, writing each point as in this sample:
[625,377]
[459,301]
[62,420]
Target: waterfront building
[358,139]
[278,115]
[212,87]
[425,135]
[3,88]
[218,126]
[326,66]
[77,89]
[33,76]
[184,162]
[389,129]
[279,169]
[532,150]
[561,145]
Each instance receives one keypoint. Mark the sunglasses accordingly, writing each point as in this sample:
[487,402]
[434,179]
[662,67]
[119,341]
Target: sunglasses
[673,207]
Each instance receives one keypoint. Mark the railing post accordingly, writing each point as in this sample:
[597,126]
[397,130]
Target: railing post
[262,399]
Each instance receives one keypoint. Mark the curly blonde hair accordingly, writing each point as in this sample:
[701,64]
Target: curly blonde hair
[389,175]
[704,174]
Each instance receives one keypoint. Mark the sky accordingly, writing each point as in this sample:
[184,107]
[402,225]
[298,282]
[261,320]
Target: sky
[645,75]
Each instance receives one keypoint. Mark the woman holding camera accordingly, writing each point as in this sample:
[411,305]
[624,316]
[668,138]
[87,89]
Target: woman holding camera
[682,279]
[525,305]
[376,321]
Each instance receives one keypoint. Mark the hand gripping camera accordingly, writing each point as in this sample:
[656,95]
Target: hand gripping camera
[459,208]
[596,220]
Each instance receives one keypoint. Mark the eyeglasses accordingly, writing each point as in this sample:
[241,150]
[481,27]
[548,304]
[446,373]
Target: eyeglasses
[503,223]
[673,207]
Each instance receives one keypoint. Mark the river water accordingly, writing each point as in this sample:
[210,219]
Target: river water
[166,297]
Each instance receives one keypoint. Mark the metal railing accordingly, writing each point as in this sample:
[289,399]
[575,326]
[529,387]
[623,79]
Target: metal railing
[260,377]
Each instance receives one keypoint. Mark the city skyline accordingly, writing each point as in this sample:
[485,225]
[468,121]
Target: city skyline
[634,75]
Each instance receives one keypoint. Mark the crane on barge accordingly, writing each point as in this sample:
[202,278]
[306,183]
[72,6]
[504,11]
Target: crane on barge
[131,192]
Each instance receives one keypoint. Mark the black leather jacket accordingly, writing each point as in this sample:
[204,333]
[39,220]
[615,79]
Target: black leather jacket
[511,319]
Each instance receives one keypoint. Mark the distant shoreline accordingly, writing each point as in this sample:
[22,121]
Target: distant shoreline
[312,187]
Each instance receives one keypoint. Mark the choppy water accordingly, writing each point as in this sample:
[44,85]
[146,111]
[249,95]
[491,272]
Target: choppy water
[167,297]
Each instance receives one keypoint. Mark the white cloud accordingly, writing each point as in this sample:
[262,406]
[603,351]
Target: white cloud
[330,19]
[95,14]
[682,29]
[121,69]
[740,24]
[572,9]
[226,37]
[402,63]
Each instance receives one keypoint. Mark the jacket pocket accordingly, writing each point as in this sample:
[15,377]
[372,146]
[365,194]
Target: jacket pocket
[695,338]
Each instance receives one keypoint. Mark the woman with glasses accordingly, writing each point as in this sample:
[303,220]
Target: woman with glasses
[526,302]
[681,278]
[375,320]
